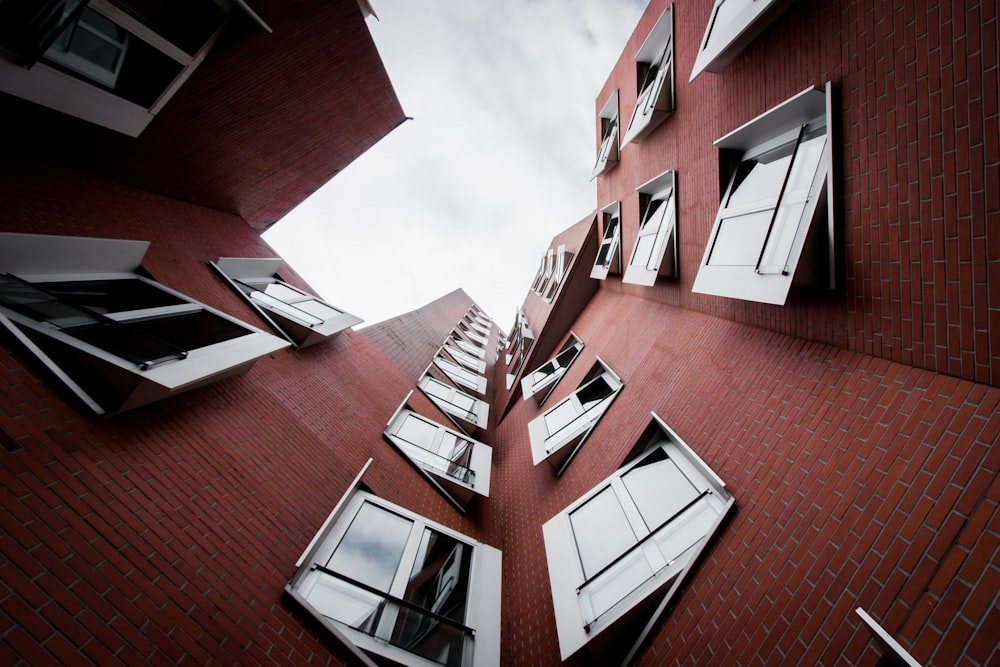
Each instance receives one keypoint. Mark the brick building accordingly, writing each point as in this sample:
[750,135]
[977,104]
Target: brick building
[755,392]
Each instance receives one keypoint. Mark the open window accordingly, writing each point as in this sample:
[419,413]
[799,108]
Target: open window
[609,255]
[519,344]
[655,250]
[654,64]
[298,316]
[774,228]
[607,154]
[470,361]
[562,262]
[114,63]
[463,377]
[732,26]
[401,588]
[540,382]
[618,554]
[472,335]
[457,465]
[559,432]
[455,402]
[466,346]
[115,339]
[549,263]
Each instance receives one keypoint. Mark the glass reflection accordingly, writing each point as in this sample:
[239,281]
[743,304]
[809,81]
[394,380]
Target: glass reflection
[372,547]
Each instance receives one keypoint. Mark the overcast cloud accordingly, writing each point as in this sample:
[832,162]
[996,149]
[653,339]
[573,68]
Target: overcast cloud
[495,162]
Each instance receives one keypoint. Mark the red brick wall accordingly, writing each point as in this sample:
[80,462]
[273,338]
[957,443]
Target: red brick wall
[917,171]
[858,482]
[167,534]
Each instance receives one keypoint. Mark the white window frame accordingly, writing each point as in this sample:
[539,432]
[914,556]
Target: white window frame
[608,151]
[562,264]
[472,335]
[467,346]
[807,236]
[49,86]
[536,283]
[660,224]
[550,256]
[543,380]
[446,397]
[463,358]
[654,96]
[610,246]
[39,259]
[724,41]
[519,345]
[559,446]
[483,611]
[461,376]
[458,483]
[243,273]
[673,547]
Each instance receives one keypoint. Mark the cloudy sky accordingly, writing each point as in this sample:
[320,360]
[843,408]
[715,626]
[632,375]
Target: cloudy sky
[495,162]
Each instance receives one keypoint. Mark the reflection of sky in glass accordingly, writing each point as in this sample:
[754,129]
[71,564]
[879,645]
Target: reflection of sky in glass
[371,548]
[658,488]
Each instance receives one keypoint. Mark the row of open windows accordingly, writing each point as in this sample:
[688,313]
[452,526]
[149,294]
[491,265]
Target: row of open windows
[115,63]
[117,339]
[551,272]
[400,587]
[773,228]
[732,25]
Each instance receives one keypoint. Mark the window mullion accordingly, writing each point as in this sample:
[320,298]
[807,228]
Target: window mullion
[777,202]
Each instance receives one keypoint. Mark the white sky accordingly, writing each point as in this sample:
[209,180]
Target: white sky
[495,162]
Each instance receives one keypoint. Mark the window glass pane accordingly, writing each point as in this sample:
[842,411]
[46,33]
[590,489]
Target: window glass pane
[793,202]
[726,11]
[561,415]
[437,389]
[462,401]
[438,583]
[658,488]
[758,182]
[286,293]
[594,392]
[418,432]
[317,309]
[372,547]
[739,239]
[112,296]
[602,531]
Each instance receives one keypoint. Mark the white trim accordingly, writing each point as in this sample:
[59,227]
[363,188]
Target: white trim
[723,42]
[654,101]
[699,521]
[661,225]
[808,246]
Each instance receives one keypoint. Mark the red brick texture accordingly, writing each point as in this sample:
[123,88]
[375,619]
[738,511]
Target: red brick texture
[167,534]
[260,125]
[858,482]
[917,171]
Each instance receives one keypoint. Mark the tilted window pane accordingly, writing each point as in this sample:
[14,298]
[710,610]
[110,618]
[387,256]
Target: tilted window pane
[658,488]
[418,432]
[561,415]
[372,547]
[794,199]
[602,531]
[594,392]
[739,239]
